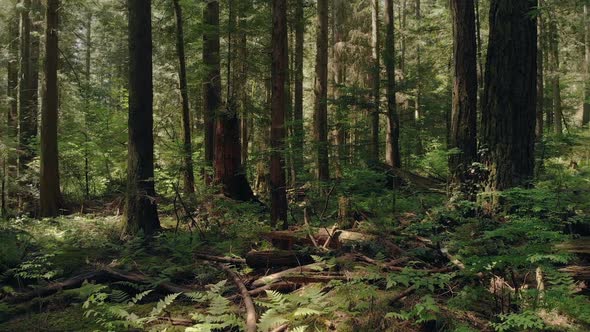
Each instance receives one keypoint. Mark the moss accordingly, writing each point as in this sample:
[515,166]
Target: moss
[67,319]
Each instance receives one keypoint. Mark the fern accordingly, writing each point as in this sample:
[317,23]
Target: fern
[165,302]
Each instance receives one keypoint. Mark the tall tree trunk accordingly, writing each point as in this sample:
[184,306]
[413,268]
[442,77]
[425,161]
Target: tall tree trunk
[50,195]
[418,107]
[540,78]
[463,133]
[141,211]
[188,172]
[392,153]
[12,94]
[376,82]
[212,80]
[242,76]
[87,95]
[508,119]
[480,60]
[403,24]
[555,76]
[36,31]
[228,156]
[298,135]
[586,105]
[26,117]
[339,67]
[321,92]
[280,66]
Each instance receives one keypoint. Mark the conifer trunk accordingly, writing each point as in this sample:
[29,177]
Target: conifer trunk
[392,153]
[321,93]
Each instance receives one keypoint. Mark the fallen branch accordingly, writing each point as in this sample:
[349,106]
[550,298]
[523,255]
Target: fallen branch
[248,303]
[275,258]
[403,294]
[220,259]
[280,328]
[277,276]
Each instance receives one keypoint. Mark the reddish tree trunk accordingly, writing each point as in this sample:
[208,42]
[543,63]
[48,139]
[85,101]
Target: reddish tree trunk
[392,153]
[321,92]
[280,66]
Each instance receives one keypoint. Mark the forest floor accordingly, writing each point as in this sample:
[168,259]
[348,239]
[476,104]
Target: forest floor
[405,260]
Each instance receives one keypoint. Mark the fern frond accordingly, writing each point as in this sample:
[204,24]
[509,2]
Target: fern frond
[165,302]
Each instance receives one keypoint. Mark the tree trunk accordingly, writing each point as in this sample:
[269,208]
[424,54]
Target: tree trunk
[141,211]
[321,93]
[508,119]
[242,77]
[212,80]
[376,83]
[586,105]
[298,134]
[50,195]
[392,153]
[540,79]
[339,68]
[87,95]
[280,66]
[36,31]
[26,116]
[188,173]
[228,155]
[463,135]
[555,76]
[418,106]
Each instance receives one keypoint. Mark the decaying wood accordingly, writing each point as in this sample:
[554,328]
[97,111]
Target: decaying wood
[248,303]
[402,294]
[220,259]
[290,272]
[281,328]
[336,237]
[276,258]
[313,278]
[578,272]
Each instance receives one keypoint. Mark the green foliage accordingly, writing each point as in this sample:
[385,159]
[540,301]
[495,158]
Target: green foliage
[424,311]
[518,322]
[219,313]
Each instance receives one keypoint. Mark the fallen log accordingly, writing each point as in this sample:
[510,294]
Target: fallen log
[276,258]
[581,273]
[335,238]
[220,259]
[271,278]
[248,303]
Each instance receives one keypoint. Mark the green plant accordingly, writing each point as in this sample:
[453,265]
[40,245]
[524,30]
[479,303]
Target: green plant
[424,311]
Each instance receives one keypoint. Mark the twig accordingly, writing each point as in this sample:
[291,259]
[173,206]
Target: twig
[220,259]
[330,235]
[250,309]
[188,213]
[289,272]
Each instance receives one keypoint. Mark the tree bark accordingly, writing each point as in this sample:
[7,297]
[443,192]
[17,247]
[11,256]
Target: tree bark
[418,105]
[555,76]
[50,195]
[228,155]
[321,93]
[540,78]
[376,82]
[188,172]
[280,66]
[508,119]
[27,129]
[392,153]
[586,105]
[464,115]
[298,134]
[87,95]
[141,213]
[212,80]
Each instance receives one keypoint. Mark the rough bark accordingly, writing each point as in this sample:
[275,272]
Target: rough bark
[280,66]
[212,79]
[418,104]
[50,195]
[141,211]
[392,152]
[228,151]
[555,76]
[339,67]
[540,78]
[188,172]
[508,119]
[27,128]
[321,93]
[375,82]
[463,135]
[298,134]
[87,95]
[586,105]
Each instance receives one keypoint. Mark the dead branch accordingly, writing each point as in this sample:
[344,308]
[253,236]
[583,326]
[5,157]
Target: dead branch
[220,259]
[250,309]
[293,271]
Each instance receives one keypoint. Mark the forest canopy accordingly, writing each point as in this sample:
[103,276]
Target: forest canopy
[294,165]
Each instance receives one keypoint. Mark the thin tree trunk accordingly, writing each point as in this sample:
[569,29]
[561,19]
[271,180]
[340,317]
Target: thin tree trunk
[50,195]
[418,107]
[212,80]
[555,76]
[280,66]
[321,92]
[463,133]
[27,122]
[298,135]
[480,59]
[141,211]
[228,156]
[586,105]
[87,105]
[508,119]
[540,79]
[188,172]
[392,153]
[242,54]
[339,68]
[376,83]
[403,24]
